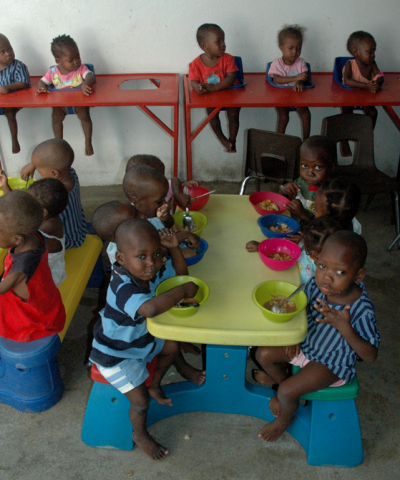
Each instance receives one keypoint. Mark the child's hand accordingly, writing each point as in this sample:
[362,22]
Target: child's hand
[372,87]
[168,238]
[183,199]
[292,351]
[190,184]
[86,89]
[296,238]
[190,289]
[333,317]
[193,240]
[291,188]
[4,182]
[163,212]
[298,87]
[209,87]
[42,90]
[27,171]
[198,87]
[4,90]
[296,208]
[252,246]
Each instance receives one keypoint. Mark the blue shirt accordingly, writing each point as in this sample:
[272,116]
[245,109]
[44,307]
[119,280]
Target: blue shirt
[324,344]
[121,333]
[15,72]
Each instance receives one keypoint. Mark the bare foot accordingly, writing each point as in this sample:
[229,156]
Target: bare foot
[89,149]
[261,377]
[272,431]
[150,447]
[15,146]
[275,406]
[192,374]
[345,150]
[159,396]
[190,348]
[233,147]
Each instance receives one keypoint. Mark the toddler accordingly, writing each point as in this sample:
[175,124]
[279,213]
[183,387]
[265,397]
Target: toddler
[341,328]
[53,159]
[122,345]
[361,72]
[14,75]
[53,197]
[69,73]
[30,303]
[212,71]
[290,41]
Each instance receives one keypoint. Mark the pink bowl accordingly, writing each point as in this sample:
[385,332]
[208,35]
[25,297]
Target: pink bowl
[201,202]
[280,245]
[258,197]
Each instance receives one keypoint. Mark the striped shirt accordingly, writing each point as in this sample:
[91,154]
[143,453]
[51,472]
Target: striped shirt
[73,217]
[15,72]
[324,344]
[121,333]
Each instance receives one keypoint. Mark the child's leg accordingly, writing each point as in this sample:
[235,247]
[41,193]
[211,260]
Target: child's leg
[216,126]
[233,119]
[283,118]
[11,114]
[345,150]
[371,112]
[84,116]
[305,117]
[165,359]
[187,371]
[59,114]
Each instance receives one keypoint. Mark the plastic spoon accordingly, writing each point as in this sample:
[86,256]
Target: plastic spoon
[187,219]
[204,194]
[277,308]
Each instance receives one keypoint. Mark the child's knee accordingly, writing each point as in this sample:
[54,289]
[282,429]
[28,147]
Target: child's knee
[263,355]
[83,114]
[58,115]
[170,348]
[10,113]
[287,392]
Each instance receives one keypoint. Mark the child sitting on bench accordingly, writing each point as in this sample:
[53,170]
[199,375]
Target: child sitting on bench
[341,328]
[30,303]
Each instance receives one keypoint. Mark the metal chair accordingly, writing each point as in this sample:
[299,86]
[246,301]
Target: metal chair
[270,156]
[363,171]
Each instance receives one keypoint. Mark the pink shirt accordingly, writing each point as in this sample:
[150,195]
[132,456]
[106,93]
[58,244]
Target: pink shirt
[279,67]
[72,80]
[212,75]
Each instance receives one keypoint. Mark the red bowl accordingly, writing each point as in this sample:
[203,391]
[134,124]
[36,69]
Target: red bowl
[201,202]
[280,245]
[279,200]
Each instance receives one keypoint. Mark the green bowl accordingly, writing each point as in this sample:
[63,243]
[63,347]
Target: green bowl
[200,220]
[17,183]
[263,293]
[201,296]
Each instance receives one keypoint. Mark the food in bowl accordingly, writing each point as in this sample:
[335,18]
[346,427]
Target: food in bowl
[268,205]
[188,252]
[282,228]
[177,228]
[282,257]
[287,307]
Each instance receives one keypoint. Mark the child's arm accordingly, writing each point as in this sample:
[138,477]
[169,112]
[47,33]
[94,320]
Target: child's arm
[4,182]
[296,208]
[181,198]
[375,71]
[169,240]
[13,86]
[348,80]
[11,281]
[291,189]
[227,82]
[87,84]
[341,320]
[252,246]
[42,87]
[27,171]
[190,238]
[198,87]
[301,77]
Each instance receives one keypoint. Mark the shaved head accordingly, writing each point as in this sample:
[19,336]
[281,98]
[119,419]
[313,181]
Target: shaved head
[140,181]
[20,213]
[135,229]
[52,154]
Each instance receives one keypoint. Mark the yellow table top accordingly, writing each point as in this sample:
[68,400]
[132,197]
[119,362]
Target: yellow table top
[230,316]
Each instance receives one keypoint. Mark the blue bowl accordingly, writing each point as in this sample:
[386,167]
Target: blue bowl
[203,247]
[273,220]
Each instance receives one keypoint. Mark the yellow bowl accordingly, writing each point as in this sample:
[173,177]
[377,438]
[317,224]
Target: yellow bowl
[199,219]
[201,296]
[17,183]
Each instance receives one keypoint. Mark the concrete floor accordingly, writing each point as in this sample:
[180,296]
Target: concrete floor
[221,447]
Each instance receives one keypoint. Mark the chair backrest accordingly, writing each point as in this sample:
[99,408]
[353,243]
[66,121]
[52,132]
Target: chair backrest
[356,128]
[239,74]
[307,84]
[340,62]
[272,155]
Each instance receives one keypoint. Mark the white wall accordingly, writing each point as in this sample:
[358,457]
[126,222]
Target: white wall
[159,36]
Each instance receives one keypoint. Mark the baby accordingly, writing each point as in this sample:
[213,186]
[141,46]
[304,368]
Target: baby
[69,73]
[341,328]
[30,303]
[122,345]
[290,42]
[212,71]
[14,75]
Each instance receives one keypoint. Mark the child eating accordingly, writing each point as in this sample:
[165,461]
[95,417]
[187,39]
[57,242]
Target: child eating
[69,73]
[14,75]
[30,303]
[212,71]
[341,328]
[122,345]
[290,41]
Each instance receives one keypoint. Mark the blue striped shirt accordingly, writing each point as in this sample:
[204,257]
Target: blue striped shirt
[73,217]
[324,344]
[15,72]
[121,333]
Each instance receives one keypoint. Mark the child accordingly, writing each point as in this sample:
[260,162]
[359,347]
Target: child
[53,159]
[30,303]
[341,328]
[69,73]
[290,41]
[14,75]
[53,197]
[361,72]
[122,345]
[212,71]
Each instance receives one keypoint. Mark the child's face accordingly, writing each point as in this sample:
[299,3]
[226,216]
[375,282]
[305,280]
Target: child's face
[214,43]
[320,206]
[365,51]
[313,167]
[7,55]
[69,60]
[291,49]
[155,197]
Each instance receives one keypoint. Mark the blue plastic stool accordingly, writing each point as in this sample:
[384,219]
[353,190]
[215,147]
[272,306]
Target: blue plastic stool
[340,62]
[30,379]
[239,73]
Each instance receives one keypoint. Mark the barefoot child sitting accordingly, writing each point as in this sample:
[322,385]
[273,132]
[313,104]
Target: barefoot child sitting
[30,303]
[341,328]
[213,71]
[14,75]
[122,345]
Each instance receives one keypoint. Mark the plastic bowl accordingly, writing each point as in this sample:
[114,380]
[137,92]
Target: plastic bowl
[201,202]
[200,253]
[264,292]
[201,295]
[281,245]
[258,197]
[200,220]
[17,183]
[267,221]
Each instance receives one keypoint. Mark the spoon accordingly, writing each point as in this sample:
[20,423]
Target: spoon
[188,220]
[277,308]
[204,194]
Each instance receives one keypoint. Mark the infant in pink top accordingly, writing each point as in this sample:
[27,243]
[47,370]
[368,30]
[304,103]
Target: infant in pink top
[70,80]
[279,67]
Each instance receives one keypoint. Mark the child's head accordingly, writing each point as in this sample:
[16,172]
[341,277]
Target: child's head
[290,41]
[362,46]
[66,53]
[52,196]
[211,39]
[318,159]
[53,157]
[139,249]
[107,217]
[315,232]
[338,198]
[7,55]
[144,159]
[146,188]
[20,218]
